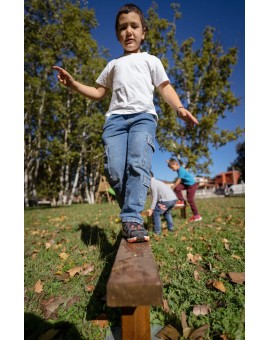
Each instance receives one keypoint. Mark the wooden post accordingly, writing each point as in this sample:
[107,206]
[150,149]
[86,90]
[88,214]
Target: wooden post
[183,212]
[136,323]
[134,285]
[103,187]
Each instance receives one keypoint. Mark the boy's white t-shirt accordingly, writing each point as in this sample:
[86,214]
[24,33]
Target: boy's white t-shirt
[132,79]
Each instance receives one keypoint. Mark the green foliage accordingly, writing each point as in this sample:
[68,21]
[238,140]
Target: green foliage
[89,235]
[202,80]
[60,125]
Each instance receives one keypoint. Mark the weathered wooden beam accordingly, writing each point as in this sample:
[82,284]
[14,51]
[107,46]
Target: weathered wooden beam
[134,279]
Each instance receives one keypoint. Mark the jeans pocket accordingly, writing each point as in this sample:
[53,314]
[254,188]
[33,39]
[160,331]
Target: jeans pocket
[149,151]
[143,193]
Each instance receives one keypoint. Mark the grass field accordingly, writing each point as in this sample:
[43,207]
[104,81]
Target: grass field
[69,252]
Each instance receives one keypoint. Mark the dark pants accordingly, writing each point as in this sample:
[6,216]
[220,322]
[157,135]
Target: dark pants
[191,190]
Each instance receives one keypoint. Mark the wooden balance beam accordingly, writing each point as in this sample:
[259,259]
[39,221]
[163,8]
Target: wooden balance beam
[134,284]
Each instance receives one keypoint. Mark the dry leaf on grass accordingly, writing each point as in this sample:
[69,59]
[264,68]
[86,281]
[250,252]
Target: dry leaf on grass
[87,269]
[65,277]
[64,256]
[38,287]
[196,275]
[201,310]
[166,307]
[186,330]
[168,333]
[73,271]
[90,288]
[199,333]
[216,284]
[237,277]
[193,258]
[236,257]
[50,306]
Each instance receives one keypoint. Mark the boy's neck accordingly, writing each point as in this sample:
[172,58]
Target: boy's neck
[127,52]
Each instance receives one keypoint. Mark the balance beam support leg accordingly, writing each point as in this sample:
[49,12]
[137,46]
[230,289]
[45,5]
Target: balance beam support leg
[136,323]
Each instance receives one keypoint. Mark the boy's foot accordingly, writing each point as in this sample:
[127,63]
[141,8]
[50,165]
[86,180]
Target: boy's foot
[195,218]
[134,232]
[180,204]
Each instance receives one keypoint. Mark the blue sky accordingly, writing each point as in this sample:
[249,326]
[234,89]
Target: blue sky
[228,18]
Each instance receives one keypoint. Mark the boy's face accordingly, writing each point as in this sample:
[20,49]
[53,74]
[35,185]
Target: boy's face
[174,167]
[130,32]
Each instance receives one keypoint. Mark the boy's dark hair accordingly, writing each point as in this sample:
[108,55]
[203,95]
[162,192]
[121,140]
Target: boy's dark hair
[127,8]
[172,161]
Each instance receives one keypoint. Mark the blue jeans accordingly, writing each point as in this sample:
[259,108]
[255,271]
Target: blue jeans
[128,141]
[157,212]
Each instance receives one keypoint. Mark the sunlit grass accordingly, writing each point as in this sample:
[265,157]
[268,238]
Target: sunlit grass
[88,235]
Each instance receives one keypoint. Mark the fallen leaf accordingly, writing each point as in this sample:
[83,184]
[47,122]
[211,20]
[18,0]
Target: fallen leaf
[237,277]
[201,310]
[64,256]
[166,307]
[193,258]
[88,269]
[226,246]
[219,286]
[50,306]
[72,301]
[236,257]
[47,245]
[168,332]
[65,277]
[199,333]
[38,287]
[89,288]
[73,271]
[196,275]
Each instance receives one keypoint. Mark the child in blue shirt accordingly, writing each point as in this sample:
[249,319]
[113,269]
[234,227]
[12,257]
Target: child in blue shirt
[185,181]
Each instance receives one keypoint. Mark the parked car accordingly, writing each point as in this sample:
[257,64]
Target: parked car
[235,190]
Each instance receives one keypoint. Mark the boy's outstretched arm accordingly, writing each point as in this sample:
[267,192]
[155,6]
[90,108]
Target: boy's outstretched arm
[95,93]
[171,97]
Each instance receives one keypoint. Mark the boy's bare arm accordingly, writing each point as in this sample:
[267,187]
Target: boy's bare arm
[94,93]
[171,97]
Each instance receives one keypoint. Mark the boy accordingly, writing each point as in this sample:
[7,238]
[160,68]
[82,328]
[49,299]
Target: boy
[163,201]
[185,181]
[131,121]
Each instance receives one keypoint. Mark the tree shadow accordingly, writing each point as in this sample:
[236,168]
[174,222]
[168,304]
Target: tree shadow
[35,327]
[97,308]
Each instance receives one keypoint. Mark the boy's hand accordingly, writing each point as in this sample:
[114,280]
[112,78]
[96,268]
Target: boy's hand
[187,117]
[64,77]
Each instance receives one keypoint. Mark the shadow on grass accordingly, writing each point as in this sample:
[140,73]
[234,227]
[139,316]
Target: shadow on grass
[35,327]
[93,235]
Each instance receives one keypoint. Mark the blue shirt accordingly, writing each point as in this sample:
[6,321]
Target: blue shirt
[186,177]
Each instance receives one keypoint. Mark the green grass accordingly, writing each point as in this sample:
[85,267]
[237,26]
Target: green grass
[89,235]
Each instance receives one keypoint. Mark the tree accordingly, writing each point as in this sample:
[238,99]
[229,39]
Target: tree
[239,162]
[62,129]
[201,79]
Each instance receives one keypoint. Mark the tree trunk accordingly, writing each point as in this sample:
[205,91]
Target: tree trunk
[76,179]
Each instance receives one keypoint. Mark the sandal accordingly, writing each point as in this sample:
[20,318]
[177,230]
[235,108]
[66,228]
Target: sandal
[134,232]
